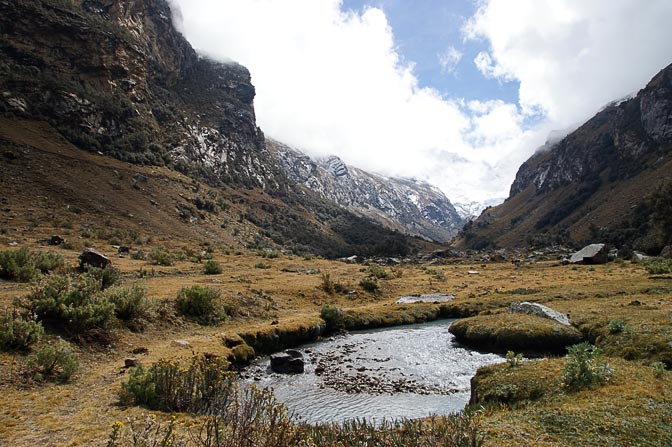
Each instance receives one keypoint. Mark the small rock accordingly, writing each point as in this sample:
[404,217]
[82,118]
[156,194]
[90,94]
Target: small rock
[140,350]
[123,250]
[56,240]
[473,272]
[181,343]
[666,252]
[131,362]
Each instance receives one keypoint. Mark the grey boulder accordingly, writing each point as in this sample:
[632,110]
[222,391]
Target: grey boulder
[539,310]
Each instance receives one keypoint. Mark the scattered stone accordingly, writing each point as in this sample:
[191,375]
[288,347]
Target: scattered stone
[274,322]
[517,262]
[564,261]
[319,370]
[287,362]
[56,240]
[427,298]
[473,272]
[93,258]
[640,256]
[539,310]
[13,244]
[181,343]
[590,254]
[666,252]
[131,362]
[123,250]
[140,350]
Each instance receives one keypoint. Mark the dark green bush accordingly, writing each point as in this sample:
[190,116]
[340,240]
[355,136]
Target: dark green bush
[106,277]
[24,265]
[131,305]
[54,362]
[200,304]
[658,266]
[617,326]
[584,368]
[377,271]
[370,284]
[138,255]
[73,304]
[212,267]
[202,386]
[18,332]
[334,318]
[161,256]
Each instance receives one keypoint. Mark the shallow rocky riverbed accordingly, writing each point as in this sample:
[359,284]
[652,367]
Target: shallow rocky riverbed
[407,371]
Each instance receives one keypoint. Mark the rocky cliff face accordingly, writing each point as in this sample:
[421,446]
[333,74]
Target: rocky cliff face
[592,181]
[115,76]
[413,207]
[619,140]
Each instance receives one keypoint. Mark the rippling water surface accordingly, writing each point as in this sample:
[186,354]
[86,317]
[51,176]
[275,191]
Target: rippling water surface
[407,371]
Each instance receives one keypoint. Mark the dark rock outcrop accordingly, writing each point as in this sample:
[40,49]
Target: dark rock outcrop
[591,254]
[91,257]
[600,181]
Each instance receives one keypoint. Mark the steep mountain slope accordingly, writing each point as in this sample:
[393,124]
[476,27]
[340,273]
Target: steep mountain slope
[114,77]
[599,179]
[413,207]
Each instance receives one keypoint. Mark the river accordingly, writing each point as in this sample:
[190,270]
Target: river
[402,372]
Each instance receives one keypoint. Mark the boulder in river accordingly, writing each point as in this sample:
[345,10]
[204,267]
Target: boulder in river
[539,310]
[590,254]
[287,362]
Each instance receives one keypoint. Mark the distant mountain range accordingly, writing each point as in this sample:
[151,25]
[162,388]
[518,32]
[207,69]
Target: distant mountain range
[410,206]
[609,180]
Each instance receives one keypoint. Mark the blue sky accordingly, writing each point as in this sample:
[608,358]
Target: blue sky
[424,30]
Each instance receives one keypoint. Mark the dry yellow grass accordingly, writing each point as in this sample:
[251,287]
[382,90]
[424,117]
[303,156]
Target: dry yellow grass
[289,291]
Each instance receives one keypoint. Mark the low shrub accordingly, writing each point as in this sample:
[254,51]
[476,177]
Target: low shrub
[161,256]
[327,284]
[584,369]
[617,326]
[658,266]
[200,304]
[24,266]
[138,255]
[377,271]
[202,386]
[456,430]
[19,332]
[514,359]
[131,305]
[261,265]
[212,267]
[370,284]
[106,277]
[54,362]
[73,304]
[334,318]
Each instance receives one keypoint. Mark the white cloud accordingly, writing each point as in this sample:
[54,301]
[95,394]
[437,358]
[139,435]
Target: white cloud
[573,56]
[332,82]
[449,59]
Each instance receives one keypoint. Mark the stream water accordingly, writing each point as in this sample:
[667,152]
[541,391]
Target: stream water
[402,372]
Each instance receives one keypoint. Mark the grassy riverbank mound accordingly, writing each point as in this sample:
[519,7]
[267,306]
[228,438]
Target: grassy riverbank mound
[526,334]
